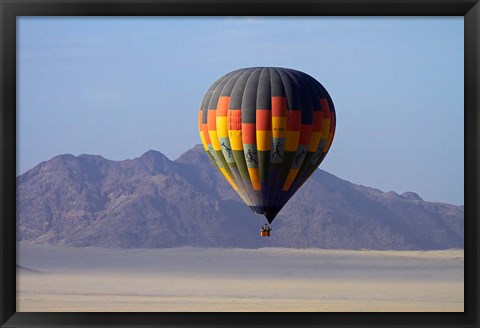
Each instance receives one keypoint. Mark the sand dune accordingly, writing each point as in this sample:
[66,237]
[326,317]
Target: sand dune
[267,279]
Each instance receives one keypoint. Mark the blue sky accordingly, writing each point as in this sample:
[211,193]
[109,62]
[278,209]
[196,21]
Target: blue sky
[120,86]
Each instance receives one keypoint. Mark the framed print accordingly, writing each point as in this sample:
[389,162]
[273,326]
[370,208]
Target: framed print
[239,103]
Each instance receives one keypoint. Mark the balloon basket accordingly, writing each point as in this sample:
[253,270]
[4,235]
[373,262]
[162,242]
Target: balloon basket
[265,233]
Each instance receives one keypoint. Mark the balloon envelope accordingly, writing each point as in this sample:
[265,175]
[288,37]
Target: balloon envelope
[266,129]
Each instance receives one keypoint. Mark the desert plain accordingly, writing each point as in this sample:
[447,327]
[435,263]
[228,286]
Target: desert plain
[188,279]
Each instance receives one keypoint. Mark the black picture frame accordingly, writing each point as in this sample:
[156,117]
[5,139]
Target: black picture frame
[10,9]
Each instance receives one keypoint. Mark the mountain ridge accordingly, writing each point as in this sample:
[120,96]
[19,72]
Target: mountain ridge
[154,202]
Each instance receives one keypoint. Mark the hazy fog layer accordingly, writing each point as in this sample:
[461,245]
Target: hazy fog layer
[266,279]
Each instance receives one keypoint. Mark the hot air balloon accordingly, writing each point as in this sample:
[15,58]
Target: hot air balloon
[266,129]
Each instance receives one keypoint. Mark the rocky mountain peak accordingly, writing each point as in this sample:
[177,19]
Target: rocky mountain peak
[156,162]
[411,195]
[195,155]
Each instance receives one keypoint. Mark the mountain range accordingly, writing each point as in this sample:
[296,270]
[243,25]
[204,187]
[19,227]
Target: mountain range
[154,202]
